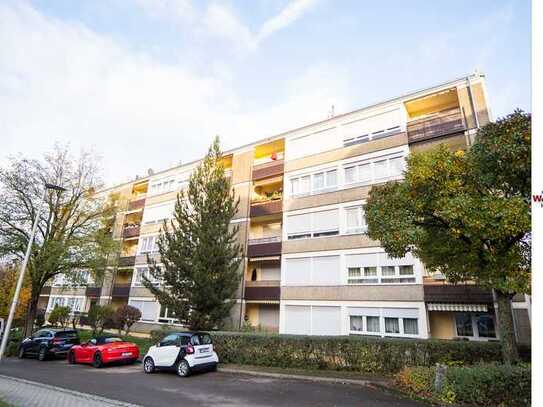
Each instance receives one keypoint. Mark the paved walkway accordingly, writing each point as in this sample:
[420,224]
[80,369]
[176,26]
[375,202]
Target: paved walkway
[25,393]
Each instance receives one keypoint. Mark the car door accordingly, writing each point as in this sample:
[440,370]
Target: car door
[39,338]
[87,350]
[167,351]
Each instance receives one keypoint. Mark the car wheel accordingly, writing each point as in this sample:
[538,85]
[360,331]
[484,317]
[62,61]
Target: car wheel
[148,365]
[71,358]
[183,368]
[21,353]
[42,354]
[97,360]
[214,368]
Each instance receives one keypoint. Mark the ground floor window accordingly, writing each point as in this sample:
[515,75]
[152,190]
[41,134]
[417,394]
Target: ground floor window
[384,321]
[474,325]
[74,303]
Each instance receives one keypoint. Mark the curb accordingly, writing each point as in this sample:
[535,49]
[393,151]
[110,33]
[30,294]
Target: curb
[359,382]
[75,393]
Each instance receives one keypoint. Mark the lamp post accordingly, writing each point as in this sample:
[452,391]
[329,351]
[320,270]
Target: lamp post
[14,302]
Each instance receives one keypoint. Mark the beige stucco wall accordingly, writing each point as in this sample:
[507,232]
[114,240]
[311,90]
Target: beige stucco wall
[327,243]
[346,152]
[354,293]
[242,191]
[441,325]
[480,104]
[330,198]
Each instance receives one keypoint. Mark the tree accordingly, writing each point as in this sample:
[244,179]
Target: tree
[199,253]
[74,230]
[60,316]
[100,317]
[9,273]
[125,317]
[466,214]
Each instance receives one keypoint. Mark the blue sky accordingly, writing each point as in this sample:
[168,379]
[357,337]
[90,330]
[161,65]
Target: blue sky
[148,83]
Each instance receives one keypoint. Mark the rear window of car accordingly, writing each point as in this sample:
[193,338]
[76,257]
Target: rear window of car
[66,334]
[201,339]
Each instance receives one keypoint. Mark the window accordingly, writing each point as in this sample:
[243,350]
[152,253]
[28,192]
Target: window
[316,183]
[354,220]
[299,226]
[162,186]
[139,275]
[373,324]
[167,316]
[474,325]
[392,325]
[74,303]
[380,169]
[357,323]
[365,269]
[388,270]
[411,326]
[325,223]
[149,244]
[156,214]
[148,309]
[359,275]
[372,128]
[366,172]
[300,185]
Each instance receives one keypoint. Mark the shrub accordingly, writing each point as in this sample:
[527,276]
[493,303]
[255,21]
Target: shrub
[59,316]
[125,317]
[481,385]
[359,354]
[100,317]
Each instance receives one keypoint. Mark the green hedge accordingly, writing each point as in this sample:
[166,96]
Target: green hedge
[359,354]
[481,385]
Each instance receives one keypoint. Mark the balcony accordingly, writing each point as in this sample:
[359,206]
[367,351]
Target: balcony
[127,261]
[264,247]
[120,290]
[266,290]
[457,293]
[134,205]
[94,292]
[131,230]
[268,169]
[436,125]
[267,207]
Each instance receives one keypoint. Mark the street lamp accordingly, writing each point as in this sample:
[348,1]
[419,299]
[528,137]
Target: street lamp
[14,302]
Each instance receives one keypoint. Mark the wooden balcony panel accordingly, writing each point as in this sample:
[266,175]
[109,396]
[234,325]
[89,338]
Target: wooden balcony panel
[448,122]
[137,204]
[127,261]
[264,249]
[120,290]
[266,208]
[460,293]
[129,232]
[270,169]
[263,283]
[94,292]
[263,293]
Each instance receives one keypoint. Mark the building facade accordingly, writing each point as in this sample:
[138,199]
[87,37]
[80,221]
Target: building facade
[309,267]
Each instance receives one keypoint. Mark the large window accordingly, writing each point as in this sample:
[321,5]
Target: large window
[74,303]
[162,186]
[314,224]
[318,270]
[78,278]
[156,214]
[355,222]
[149,244]
[377,170]
[316,183]
[474,325]
[148,309]
[384,321]
[378,268]
[140,274]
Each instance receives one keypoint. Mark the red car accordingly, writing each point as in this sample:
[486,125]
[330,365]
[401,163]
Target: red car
[103,350]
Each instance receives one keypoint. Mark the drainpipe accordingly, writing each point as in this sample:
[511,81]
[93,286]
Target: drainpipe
[246,258]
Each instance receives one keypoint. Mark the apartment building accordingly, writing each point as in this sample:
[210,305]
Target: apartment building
[309,266]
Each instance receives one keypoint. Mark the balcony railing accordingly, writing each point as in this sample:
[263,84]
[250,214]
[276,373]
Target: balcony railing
[264,247]
[127,261]
[131,230]
[92,291]
[120,290]
[136,204]
[266,208]
[441,124]
[263,293]
[268,169]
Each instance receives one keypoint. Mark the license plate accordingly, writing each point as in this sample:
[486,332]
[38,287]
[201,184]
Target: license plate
[127,353]
[204,350]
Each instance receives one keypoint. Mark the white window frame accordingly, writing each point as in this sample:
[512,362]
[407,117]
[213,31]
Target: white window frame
[361,218]
[373,178]
[379,277]
[63,301]
[145,271]
[382,328]
[312,190]
[146,241]
[475,328]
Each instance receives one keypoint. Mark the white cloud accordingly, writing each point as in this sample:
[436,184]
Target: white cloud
[221,21]
[60,81]
[176,10]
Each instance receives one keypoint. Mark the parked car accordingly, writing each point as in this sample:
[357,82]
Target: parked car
[104,350]
[184,352]
[48,342]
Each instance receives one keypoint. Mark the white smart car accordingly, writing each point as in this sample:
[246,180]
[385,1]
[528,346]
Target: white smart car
[183,352]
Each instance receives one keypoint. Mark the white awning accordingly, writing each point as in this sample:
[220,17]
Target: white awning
[457,307]
[268,258]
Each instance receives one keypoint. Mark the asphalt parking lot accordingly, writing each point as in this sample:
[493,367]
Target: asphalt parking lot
[130,384]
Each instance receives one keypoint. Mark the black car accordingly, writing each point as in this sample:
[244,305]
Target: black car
[49,342]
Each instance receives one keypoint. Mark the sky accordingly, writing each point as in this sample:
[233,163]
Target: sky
[149,83]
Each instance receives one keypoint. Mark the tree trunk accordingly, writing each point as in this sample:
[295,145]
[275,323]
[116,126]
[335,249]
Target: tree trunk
[507,328]
[31,315]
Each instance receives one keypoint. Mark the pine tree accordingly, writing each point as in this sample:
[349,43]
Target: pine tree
[199,253]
